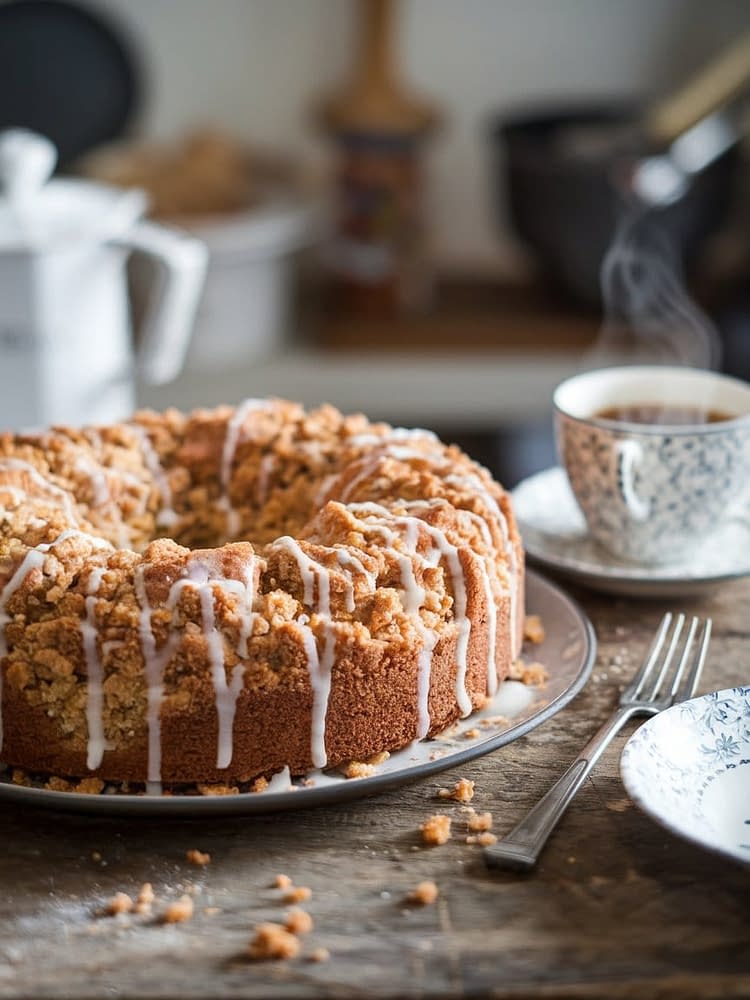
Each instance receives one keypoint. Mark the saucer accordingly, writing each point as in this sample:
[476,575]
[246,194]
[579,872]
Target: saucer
[555,536]
[689,768]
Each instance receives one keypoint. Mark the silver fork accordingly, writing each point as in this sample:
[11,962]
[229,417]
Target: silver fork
[648,693]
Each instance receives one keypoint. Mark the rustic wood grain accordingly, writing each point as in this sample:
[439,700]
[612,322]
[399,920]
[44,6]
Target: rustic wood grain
[617,907]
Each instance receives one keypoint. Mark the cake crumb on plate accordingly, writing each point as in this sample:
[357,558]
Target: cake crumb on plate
[533,629]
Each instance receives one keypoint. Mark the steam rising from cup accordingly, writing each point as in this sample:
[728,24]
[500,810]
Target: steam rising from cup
[648,313]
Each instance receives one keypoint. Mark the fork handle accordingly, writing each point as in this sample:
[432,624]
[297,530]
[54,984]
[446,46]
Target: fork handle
[523,845]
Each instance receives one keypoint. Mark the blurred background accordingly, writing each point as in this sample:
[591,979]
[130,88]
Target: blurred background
[407,205]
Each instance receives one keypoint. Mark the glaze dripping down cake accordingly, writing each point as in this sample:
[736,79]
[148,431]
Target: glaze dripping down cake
[211,597]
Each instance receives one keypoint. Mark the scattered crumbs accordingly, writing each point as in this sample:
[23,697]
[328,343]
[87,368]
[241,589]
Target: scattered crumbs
[96,856]
[485,839]
[218,789]
[597,881]
[144,899]
[55,784]
[179,911]
[319,955]
[273,941]
[89,786]
[424,894]
[619,805]
[437,754]
[571,859]
[297,894]
[298,921]
[462,791]
[282,882]
[309,782]
[119,903]
[470,734]
[259,785]
[533,630]
[528,673]
[467,810]
[379,758]
[436,830]
[359,769]
[211,911]
[198,858]
[479,822]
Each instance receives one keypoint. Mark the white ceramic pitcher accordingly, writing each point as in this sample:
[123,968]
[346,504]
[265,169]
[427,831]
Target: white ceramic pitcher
[66,347]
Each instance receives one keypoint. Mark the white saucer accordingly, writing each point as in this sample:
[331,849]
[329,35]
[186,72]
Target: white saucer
[555,536]
[689,769]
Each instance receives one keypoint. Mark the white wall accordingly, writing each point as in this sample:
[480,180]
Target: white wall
[258,67]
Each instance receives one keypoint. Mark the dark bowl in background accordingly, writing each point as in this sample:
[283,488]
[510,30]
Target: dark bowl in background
[565,208]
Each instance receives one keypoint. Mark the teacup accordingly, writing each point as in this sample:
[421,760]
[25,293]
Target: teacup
[651,491]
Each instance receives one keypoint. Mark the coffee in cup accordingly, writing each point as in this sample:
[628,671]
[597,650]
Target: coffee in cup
[655,455]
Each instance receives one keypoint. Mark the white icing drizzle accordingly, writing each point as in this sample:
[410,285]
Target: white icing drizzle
[166,515]
[226,694]
[472,481]
[449,552]
[265,469]
[319,665]
[231,441]
[34,559]
[96,744]
[199,576]
[98,479]
[43,483]
[347,560]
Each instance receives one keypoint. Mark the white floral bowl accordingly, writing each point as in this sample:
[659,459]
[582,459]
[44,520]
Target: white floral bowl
[689,769]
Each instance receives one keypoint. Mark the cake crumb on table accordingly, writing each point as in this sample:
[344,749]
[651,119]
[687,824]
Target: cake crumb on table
[179,911]
[533,630]
[273,941]
[424,893]
[298,921]
[199,858]
[297,894]
[436,830]
[282,882]
[144,899]
[119,903]
[485,839]
[319,955]
[462,791]
[479,822]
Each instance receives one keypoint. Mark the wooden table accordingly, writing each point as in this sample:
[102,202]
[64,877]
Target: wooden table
[616,908]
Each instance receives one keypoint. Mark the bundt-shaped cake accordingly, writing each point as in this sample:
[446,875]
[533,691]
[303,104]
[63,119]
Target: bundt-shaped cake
[210,597]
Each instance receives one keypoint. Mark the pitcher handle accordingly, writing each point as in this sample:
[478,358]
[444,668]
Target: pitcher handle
[168,323]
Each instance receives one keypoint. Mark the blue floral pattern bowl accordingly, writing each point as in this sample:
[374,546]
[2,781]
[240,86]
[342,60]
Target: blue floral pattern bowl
[689,769]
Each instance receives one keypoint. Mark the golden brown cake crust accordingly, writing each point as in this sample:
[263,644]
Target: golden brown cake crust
[380,599]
